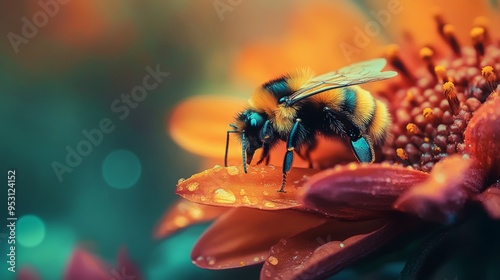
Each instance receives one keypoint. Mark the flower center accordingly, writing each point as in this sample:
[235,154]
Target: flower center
[434,102]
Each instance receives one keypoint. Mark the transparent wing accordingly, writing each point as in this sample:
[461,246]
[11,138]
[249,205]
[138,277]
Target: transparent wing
[354,74]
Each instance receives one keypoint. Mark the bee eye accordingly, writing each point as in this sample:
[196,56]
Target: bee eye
[255,119]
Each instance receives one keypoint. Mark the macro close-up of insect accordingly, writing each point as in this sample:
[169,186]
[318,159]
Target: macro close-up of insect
[297,107]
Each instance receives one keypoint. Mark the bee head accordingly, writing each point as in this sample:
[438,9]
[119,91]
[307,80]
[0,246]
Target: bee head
[251,123]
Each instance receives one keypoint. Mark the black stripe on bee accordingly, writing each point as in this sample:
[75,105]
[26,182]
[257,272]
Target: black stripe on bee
[278,87]
[350,100]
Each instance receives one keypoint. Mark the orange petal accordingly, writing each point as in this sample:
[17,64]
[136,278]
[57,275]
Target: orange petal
[83,266]
[440,197]
[490,199]
[231,187]
[199,125]
[325,250]
[313,38]
[358,191]
[243,236]
[185,213]
[482,138]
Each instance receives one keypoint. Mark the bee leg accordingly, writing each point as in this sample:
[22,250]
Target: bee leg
[363,148]
[290,147]
[265,154]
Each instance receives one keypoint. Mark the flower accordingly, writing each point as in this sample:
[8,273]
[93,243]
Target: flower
[84,266]
[443,156]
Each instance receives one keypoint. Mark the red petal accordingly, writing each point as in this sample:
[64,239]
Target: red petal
[243,236]
[441,196]
[185,213]
[84,266]
[325,250]
[482,137]
[490,199]
[359,191]
[231,187]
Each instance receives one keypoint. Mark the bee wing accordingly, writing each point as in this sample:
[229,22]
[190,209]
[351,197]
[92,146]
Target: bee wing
[354,74]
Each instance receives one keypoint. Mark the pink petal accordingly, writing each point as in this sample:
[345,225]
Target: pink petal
[125,267]
[325,250]
[84,266]
[482,137]
[440,197]
[243,236]
[27,273]
[490,199]
[232,187]
[185,213]
[359,191]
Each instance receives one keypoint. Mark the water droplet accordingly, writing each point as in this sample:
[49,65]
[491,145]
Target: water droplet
[256,259]
[196,213]
[269,204]
[233,170]
[242,263]
[243,192]
[211,260]
[352,166]
[273,260]
[193,186]
[250,200]
[203,198]
[181,180]
[217,168]
[341,245]
[181,221]
[223,196]
[268,273]
[272,167]
[199,258]
[265,193]
[180,189]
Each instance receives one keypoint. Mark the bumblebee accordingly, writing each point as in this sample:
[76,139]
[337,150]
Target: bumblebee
[298,106]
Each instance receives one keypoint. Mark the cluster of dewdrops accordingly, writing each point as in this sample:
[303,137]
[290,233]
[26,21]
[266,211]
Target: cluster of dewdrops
[434,103]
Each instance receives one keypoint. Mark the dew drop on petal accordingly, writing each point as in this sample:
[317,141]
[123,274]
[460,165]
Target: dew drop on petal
[273,260]
[341,245]
[211,260]
[233,170]
[256,259]
[269,204]
[223,196]
[199,258]
[193,186]
[203,198]
[217,168]
[272,167]
[267,273]
[242,263]
[180,180]
[265,193]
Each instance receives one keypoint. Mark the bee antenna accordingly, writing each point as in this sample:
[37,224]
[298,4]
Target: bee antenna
[227,142]
[243,150]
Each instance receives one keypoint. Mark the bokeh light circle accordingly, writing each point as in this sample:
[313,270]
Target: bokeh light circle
[121,169]
[30,231]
